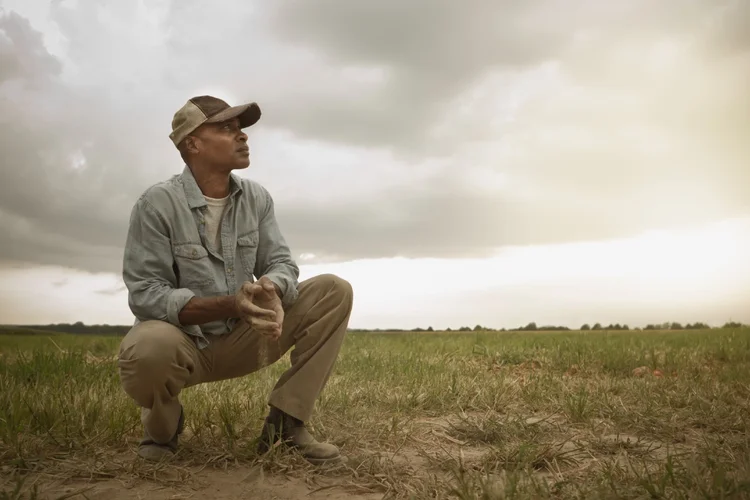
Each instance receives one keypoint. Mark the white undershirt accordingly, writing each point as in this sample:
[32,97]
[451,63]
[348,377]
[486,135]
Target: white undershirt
[214,214]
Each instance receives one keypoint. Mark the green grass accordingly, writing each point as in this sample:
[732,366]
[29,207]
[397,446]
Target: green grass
[439,415]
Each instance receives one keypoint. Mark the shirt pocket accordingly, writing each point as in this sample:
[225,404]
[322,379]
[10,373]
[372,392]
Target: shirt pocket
[247,249]
[193,265]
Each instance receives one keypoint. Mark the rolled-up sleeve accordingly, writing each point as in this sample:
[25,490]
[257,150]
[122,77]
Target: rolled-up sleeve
[274,257]
[147,270]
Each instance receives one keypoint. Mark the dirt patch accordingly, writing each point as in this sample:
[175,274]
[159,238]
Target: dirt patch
[235,483]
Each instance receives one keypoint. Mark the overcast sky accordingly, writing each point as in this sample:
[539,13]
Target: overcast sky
[497,162]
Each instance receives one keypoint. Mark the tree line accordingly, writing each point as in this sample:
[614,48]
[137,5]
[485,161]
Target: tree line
[533,327]
[82,329]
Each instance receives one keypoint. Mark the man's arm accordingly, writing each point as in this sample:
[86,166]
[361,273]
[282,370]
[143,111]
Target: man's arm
[201,310]
[151,281]
[274,258]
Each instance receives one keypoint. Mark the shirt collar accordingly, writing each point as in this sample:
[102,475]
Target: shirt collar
[193,193]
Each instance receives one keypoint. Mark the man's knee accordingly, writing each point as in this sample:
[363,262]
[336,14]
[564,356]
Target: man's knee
[149,354]
[151,342]
[337,286]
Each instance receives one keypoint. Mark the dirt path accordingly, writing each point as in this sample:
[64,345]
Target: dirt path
[236,483]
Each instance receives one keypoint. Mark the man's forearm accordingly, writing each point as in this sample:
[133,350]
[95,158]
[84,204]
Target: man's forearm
[201,310]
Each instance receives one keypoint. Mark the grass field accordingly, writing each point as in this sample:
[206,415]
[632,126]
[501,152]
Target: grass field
[473,415]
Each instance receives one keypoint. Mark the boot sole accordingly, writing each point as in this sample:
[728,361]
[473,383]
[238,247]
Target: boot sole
[155,453]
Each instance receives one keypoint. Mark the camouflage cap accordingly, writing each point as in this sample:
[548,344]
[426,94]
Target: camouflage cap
[208,109]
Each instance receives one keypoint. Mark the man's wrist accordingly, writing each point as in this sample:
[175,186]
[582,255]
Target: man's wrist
[276,287]
[230,302]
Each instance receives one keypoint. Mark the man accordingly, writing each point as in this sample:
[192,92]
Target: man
[194,245]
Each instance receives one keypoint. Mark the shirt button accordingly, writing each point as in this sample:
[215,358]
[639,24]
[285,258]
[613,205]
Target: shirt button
[195,253]
[229,270]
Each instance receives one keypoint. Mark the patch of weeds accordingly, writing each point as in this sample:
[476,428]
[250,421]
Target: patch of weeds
[577,405]
[534,455]
[470,484]
[493,429]
[618,444]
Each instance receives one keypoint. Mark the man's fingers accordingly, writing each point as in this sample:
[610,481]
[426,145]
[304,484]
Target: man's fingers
[273,334]
[250,309]
[264,326]
[280,315]
[251,289]
[266,289]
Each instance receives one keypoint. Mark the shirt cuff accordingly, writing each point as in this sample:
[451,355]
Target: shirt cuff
[176,300]
[289,292]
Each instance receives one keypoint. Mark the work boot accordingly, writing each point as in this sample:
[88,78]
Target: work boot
[293,433]
[150,450]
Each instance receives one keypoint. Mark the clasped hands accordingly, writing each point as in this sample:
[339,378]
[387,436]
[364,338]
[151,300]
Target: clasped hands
[260,306]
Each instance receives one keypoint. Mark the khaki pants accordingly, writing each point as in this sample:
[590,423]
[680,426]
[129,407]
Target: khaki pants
[157,360]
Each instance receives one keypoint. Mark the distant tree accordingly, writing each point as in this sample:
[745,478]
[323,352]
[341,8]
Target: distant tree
[625,327]
[552,328]
[429,329]
[585,327]
[530,327]
[675,326]
[478,328]
[597,326]
[732,324]
[464,329]
[448,329]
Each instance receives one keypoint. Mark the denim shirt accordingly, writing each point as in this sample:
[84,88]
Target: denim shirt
[168,260]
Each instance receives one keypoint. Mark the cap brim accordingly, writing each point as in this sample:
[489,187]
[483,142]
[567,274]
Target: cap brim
[249,114]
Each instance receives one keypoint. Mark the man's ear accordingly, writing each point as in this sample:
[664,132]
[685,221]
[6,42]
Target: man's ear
[191,144]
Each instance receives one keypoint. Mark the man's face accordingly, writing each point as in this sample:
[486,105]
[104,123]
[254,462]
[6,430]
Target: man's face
[222,145]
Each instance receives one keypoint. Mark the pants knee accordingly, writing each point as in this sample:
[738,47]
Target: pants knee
[149,362]
[338,286]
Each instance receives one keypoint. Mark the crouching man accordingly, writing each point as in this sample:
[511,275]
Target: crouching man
[194,244]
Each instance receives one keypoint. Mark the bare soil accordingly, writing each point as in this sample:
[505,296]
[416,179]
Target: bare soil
[236,483]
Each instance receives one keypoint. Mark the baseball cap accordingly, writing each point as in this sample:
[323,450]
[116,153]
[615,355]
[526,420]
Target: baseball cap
[208,109]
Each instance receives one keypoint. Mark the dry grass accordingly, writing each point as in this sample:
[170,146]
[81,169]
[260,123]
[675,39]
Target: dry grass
[481,415]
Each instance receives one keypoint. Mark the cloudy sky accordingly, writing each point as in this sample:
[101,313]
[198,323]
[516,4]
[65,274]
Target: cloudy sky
[488,162]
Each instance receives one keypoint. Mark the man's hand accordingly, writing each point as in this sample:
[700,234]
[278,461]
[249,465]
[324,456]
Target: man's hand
[259,305]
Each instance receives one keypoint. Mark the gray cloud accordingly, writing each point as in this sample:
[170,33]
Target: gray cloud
[22,51]
[429,52]
[606,142]
[72,165]
[426,52]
